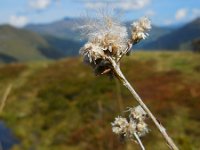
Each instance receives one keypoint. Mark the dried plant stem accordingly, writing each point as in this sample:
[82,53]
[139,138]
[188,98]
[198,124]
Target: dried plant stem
[5,96]
[122,78]
[139,141]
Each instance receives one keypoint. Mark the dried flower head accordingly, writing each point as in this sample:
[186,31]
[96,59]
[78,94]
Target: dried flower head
[135,125]
[108,39]
[123,128]
[120,125]
[142,128]
[138,113]
[108,35]
[139,29]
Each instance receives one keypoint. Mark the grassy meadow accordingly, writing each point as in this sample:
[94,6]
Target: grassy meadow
[63,106]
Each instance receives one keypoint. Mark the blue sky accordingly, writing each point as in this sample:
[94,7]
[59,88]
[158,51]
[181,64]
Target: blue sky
[161,12]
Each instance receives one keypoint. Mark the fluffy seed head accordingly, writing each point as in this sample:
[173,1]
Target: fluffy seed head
[135,124]
[139,29]
[120,125]
[138,113]
[142,128]
[105,37]
[108,39]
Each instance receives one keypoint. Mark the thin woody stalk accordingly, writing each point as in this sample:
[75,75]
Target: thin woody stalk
[139,141]
[122,78]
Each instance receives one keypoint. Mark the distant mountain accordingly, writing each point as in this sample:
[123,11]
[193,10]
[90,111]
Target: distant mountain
[68,29]
[178,39]
[62,38]
[23,45]
[68,47]
[64,34]
[65,28]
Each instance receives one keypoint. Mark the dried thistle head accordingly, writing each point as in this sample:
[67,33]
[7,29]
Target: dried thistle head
[142,128]
[139,29]
[137,113]
[134,124]
[108,38]
[120,125]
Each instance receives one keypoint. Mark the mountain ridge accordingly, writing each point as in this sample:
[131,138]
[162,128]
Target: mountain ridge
[62,38]
[180,38]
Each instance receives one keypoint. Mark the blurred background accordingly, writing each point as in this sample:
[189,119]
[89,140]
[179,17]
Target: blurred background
[50,100]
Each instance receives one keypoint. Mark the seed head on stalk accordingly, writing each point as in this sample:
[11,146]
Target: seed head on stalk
[108,39]
[108,42]
[134,124]
[139,29]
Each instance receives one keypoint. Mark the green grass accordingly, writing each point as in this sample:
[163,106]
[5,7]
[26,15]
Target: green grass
[62,105]
[20,44]
[25,46]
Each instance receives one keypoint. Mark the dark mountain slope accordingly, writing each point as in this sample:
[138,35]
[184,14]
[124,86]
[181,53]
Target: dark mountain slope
[179,39]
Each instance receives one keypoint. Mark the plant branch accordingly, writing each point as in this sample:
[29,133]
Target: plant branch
[5,97]
[139,141]
[122,78]
[129,46]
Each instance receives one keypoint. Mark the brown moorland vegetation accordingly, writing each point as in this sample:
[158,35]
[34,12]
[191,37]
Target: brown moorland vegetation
[62,105]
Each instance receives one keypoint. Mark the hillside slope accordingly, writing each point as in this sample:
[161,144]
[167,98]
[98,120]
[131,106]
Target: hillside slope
[62,34]
[178,39]
[68,47]
[23,45]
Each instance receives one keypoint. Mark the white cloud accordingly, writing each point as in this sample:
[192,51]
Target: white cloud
[18,21]
[150,13]
[39,4]
[95,5]
[121,4]
[132,4]
[181,14]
